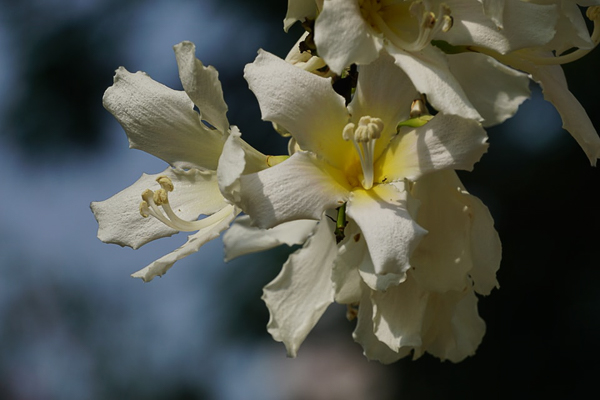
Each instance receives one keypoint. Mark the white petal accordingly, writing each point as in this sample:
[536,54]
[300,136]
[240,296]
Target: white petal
[373,348]
[571,30]
[202,85]
[383,91]
[497,91]
[119,217]
[238,158]
[486,249]
[352,252]
[455,328]
[301,293]
[242,238]
[304,104]
[162,121]
[524,25]
[302,187]
[575,119]
[389,230]
[398,314]
[343,37]
[445,142]
[494,10]
[430,74]
[193,244]
[298,10]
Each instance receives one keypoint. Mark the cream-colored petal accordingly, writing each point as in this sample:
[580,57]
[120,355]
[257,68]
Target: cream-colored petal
[119,218]
[301,293]
[445,142]
[398,314]
[486,249]
[575,119]
[302,187]
[304,104]
[162,121]
[298,10]
[343,37]
[454,328]
[202,85]
[373,348]
[430,74]
[352,252]
[193,244]
[238,158]
[525,24]
[497,91]
[389,230]
[243,238]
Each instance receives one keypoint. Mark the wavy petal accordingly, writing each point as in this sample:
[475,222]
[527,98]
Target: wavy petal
[301,293]
[299,10]
[119,218]
[243,238]
[193,244]
[443,260]
[389,230]
[363,334]
[304,104]
[525,25]
[238,158]
[430,74]
[398,314]
[352,252]
[455,329]
[162,121]
[302,187]
[498,90]
[445,142]
[575,119]
[343,37]
[202,85]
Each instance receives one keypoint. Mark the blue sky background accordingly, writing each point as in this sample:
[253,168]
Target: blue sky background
[74,325]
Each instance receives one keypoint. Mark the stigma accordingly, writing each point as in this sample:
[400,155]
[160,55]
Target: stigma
[364,137]
[153,201]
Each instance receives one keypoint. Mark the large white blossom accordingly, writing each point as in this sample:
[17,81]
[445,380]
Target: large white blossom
[353,158]
[163,122]
[543,64]
[357,31]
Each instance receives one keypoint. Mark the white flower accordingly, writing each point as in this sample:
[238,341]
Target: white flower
[163,122]
[350,158]
[356,31]
[543,61]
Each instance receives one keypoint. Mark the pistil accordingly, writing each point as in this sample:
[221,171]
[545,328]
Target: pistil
[363,137]
[152,200]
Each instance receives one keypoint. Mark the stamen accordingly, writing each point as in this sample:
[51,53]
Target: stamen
[363,137]
[151,200]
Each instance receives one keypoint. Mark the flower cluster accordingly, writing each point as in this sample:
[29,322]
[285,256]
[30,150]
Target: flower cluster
[382,101]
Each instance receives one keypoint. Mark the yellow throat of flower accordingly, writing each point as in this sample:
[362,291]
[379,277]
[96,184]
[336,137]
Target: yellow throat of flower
[364,137]
[407,25]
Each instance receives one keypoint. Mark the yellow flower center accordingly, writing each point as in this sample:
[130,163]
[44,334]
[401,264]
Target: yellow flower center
[364,137]
[408,25]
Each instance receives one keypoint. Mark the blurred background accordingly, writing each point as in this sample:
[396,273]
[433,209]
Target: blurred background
[74,325]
